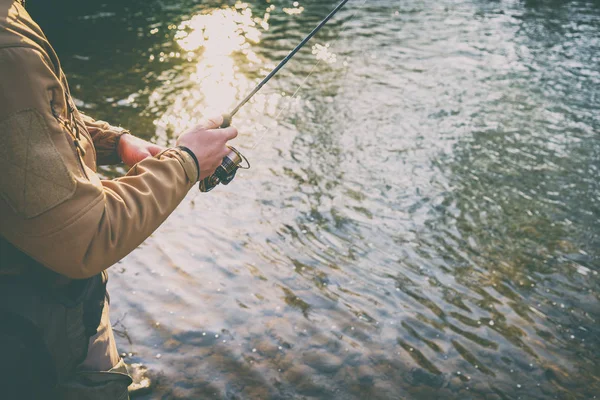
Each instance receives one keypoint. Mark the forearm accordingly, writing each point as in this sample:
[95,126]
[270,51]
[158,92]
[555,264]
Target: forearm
[53,206]
[104,220]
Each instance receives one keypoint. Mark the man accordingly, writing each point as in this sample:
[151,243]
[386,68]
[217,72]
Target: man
[61,227]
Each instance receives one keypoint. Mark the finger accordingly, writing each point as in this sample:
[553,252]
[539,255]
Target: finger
[212,122]
[226,151]
[155,149]
[229,133]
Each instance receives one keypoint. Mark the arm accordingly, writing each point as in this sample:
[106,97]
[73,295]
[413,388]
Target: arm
[49,208]
[114,145]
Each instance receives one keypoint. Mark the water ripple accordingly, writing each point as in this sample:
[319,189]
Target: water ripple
[420,220]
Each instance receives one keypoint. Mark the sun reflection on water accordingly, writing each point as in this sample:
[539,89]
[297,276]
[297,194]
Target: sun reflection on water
[220,33]
[297,9]
[323,53]
[218,45]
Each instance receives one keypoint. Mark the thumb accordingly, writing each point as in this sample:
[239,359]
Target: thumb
[212,122]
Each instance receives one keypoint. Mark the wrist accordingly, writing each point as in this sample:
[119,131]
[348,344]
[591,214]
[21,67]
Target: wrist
[193,156]
[120,142]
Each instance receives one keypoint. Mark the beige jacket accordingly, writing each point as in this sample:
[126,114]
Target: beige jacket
[53,207]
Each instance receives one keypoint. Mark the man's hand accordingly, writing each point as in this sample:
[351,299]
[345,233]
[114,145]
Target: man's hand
[208,143]
[132,150]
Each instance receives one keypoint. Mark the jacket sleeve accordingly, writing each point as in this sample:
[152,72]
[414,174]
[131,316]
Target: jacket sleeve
[52,206]
[106,139]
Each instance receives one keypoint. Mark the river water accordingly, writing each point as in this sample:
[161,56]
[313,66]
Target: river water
[421,220]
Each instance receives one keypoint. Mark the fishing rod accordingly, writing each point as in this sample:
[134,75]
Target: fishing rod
[233,161]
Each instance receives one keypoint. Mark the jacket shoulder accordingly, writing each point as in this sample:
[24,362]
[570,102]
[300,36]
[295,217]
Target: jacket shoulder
[27,80]
[17,29]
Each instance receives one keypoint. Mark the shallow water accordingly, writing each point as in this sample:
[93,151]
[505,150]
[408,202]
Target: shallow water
[421,220]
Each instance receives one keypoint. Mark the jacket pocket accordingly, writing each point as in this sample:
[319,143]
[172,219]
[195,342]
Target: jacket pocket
[34,176]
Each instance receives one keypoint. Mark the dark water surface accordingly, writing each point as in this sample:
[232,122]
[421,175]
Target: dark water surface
[421,221]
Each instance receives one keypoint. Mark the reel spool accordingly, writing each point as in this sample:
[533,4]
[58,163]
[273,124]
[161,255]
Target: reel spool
[226,171]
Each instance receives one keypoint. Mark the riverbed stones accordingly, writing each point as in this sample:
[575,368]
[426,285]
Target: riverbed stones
[301,377]
[322,361]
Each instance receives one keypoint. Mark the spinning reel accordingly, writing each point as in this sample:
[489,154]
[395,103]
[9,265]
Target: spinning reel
[226,171]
